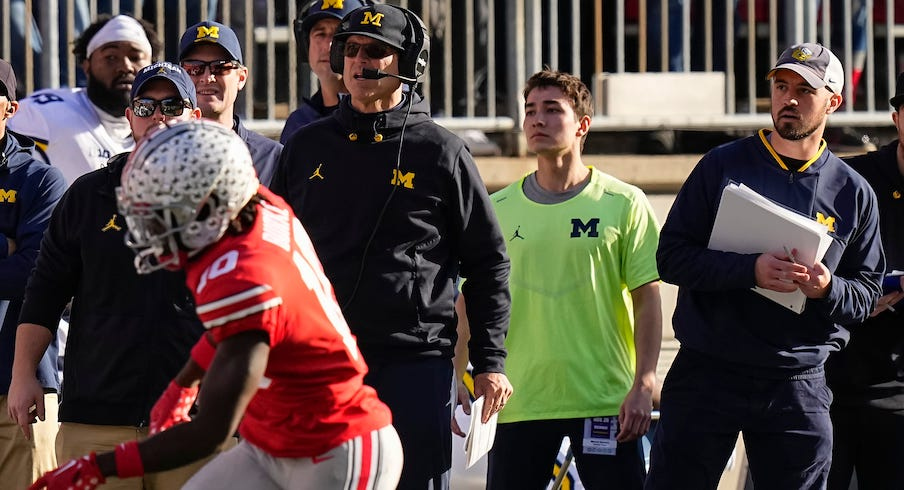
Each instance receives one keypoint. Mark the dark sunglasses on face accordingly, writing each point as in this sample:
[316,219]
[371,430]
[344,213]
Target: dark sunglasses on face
[217,67]
[171,107]
[373,51]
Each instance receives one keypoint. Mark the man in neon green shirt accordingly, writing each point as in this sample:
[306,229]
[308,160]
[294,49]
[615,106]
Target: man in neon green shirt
[586,322]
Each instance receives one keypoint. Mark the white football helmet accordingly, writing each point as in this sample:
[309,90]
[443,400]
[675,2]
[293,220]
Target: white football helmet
[180,189]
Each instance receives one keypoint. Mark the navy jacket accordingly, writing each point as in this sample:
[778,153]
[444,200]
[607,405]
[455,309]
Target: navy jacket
[129,334]
[309,111]
[264,151]
[870,371]
[420,217]
[717,314]
[29,190]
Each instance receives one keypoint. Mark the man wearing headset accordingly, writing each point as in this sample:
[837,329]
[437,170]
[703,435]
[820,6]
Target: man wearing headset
[314,29]
[396,210]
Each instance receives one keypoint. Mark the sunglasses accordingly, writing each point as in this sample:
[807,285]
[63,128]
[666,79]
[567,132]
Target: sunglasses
[171,107]
[373,51]
[196,68]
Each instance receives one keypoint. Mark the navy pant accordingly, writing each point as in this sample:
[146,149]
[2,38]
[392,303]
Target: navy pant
[419,394]
[524,454]
[870,440]
[785,422]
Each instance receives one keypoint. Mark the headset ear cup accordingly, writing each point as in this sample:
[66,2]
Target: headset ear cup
[423,58]
[337,58]
[417,49]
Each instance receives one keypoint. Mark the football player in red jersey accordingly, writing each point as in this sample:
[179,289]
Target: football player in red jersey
[278,361]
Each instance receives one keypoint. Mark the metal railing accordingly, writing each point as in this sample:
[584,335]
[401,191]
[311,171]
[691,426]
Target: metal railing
[482,51]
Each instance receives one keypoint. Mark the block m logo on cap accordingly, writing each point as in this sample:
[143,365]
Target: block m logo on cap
[331,4]
[205,32]
[371,18]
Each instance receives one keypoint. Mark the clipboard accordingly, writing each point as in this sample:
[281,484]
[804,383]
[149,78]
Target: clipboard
[749,223]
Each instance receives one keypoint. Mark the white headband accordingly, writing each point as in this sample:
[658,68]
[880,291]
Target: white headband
[120,28]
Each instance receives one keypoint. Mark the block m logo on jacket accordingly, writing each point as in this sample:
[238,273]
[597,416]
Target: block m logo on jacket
[829,221]
[405,179]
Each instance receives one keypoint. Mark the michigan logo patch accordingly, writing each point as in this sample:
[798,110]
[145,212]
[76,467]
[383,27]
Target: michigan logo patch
[829,221]
[372,19]
[8,195]
[404,179]
[204,32]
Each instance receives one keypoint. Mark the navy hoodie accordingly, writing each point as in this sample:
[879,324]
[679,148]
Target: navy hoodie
[29,190]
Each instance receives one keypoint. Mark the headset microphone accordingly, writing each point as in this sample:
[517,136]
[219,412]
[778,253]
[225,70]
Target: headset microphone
[371,74]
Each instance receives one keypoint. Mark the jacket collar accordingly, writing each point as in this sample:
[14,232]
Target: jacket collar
[16,150]
[375,127]
[764,137]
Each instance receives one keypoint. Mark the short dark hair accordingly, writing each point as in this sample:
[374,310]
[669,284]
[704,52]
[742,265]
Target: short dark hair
[80,45]
[571,86]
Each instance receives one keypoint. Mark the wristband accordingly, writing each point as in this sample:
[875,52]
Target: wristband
[128,460]
[203,351]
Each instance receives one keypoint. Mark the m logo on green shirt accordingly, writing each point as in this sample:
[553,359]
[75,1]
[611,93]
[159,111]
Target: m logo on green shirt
[578,227]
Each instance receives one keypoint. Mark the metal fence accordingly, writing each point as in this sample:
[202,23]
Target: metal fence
[482,51]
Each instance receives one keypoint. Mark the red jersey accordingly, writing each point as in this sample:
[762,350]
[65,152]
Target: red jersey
[312,397]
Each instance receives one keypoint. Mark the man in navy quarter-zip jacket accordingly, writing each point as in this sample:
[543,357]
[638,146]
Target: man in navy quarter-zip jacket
[747,364]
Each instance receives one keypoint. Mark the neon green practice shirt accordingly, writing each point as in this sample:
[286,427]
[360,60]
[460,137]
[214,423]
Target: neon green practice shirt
[571,338]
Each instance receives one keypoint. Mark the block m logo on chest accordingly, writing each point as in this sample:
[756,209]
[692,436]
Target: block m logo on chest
[404,179]
[578,227]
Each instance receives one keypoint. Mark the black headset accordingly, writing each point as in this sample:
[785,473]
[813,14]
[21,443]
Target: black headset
[415,48]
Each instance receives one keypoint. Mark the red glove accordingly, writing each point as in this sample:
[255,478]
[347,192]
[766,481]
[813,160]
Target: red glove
[172,407]
[78,474]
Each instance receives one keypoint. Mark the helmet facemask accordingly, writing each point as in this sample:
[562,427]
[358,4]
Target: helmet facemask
[180,190]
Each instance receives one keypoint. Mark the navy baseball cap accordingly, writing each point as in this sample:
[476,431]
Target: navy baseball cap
[382,22]
[210,32]
[166,71]
[318,9]
[7,80]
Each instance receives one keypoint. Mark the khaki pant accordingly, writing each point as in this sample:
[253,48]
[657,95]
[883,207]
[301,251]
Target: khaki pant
[23,461]
[76,440]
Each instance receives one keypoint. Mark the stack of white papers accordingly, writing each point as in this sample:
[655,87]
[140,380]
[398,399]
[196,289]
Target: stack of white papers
[749,223]
[480,436]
